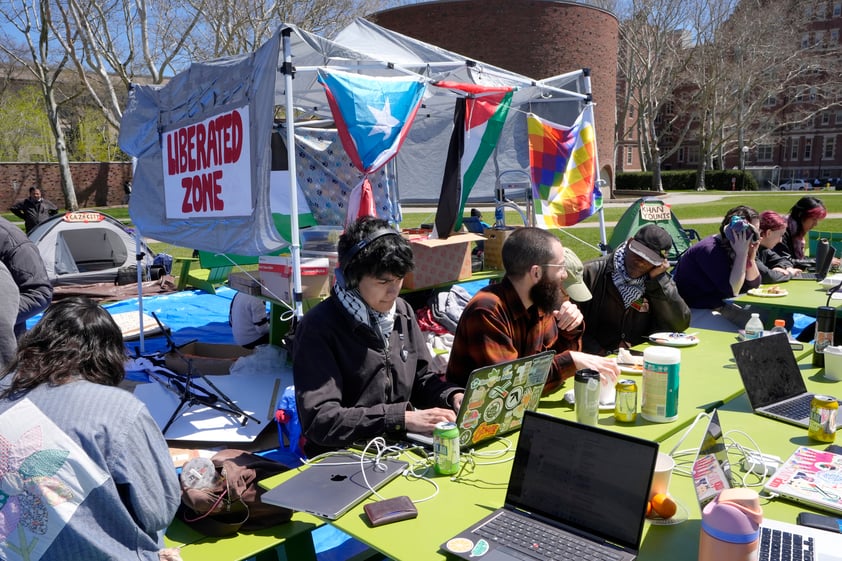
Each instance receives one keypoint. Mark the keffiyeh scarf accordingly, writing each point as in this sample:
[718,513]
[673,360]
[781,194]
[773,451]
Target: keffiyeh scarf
[630,289]
[356,306]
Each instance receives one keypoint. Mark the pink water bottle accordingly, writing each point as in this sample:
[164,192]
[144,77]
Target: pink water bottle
[731,526]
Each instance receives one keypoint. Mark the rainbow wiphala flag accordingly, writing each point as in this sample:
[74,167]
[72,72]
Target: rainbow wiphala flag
[563,163]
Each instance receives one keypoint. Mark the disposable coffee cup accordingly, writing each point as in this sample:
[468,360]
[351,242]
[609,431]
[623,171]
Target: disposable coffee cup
[662,474]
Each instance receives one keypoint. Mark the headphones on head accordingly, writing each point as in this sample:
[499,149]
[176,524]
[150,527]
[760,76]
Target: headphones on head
[346,258]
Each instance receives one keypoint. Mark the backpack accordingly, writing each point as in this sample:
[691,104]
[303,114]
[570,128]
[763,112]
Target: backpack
[221,496]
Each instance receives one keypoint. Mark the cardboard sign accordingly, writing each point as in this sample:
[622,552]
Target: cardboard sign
[207,167]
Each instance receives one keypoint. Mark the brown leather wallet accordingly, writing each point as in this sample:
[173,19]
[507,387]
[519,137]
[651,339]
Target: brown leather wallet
[390,510]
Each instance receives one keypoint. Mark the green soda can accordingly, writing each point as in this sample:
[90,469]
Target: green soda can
[446,448]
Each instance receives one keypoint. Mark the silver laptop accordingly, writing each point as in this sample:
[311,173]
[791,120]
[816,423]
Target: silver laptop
[333,486]
[575,492]
[712,473]
[496,398]
[772,380]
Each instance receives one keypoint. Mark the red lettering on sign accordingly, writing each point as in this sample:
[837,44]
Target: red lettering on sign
[199,146]
[202,193]
[186,183]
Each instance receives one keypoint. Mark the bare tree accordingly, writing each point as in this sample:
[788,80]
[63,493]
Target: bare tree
[27,40]
[653,54]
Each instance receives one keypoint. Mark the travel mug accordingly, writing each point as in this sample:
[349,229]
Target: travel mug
[586,396]
[825,328]
[730,526]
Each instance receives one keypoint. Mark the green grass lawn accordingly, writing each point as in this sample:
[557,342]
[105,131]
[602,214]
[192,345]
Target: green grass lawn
[584,240]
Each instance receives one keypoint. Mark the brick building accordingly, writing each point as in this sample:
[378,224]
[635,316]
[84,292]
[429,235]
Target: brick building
[536,38]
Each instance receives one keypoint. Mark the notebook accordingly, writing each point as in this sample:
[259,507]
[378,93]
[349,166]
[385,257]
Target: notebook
[822,269]
[569,481]
[496,398]
[772,379]
[712,473]
[812,477]
[333,486]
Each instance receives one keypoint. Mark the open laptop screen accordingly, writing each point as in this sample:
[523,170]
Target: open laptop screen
[768,369]
[586,478]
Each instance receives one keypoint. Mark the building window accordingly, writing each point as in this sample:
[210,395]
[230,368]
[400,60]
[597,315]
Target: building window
[837,9]
[805,40]
[825,117]
[834,37]
[821,10]
[692,154]
[770,101]
[764,152]
[808,149]
[793,149]
[818,38]
[629,155]
[829,148]
[680,155]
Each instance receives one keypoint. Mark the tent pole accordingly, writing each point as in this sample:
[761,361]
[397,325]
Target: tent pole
[288,71]
[603,245]
[138,258]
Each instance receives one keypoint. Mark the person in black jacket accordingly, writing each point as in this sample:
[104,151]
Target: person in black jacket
[34,209]
[633,295]
[773,267]
[360,362]
[22,258]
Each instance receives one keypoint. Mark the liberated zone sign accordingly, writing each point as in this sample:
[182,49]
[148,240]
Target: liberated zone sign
[207,167]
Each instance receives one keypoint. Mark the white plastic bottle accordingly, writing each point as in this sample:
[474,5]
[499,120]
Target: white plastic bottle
[754,327]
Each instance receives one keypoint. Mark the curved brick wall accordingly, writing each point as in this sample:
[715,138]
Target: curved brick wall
[536,38]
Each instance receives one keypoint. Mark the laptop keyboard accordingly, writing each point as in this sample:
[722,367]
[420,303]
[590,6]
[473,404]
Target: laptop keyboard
[540,541]
[795,409]
[777,545]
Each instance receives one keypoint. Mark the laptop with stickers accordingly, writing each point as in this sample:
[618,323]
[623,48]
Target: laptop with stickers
[496,398]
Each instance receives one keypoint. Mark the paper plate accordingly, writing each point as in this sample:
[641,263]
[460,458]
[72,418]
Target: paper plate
[681,515]
[674,339]
[763,293]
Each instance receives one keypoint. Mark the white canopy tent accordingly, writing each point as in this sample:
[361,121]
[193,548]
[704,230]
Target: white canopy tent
[229,212]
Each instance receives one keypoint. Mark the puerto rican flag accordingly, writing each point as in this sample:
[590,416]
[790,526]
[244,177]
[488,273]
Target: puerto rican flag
[372,114]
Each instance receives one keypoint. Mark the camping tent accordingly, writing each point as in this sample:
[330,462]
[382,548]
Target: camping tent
[652,211]
[86,247]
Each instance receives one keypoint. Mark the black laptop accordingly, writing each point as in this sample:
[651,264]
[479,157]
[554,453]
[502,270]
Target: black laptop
[772,380]
[822,269]
[575,492]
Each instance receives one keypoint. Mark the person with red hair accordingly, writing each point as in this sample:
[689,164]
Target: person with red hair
[773,266]
[803,217]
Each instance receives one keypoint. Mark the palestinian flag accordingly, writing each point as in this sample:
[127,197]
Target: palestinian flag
[477,122]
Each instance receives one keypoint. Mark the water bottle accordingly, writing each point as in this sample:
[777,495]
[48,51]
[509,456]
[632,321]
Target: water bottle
[825,327]
[499,217]
[754,327]
[731,526]
[780,327]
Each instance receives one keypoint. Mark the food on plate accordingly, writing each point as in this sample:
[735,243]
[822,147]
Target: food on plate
[774,289]
[663,505]
[628,360]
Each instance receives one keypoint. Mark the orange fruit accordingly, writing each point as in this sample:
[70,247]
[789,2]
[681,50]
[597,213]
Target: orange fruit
[663,505]
[648,509]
